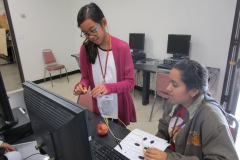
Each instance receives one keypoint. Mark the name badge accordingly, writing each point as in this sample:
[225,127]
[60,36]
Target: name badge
[108,97]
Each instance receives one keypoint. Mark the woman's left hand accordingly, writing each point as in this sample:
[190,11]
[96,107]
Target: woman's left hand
[99,90]
[7,147]
[155,154]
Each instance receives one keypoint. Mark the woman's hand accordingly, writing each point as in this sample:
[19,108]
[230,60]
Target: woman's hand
[7,147]
[100,90]
[79,89]
[155,154]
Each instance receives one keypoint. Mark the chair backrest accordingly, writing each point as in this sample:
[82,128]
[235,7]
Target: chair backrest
[85,100]
[233,125]
[162,81]
[48,56]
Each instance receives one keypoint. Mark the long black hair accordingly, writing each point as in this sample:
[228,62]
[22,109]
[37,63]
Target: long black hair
[93,12]
[194,75]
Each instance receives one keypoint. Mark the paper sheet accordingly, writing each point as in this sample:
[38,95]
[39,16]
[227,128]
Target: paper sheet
[28,149]
[134,142]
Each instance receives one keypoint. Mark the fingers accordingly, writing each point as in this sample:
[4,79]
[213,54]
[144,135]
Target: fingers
[7,147]
[79,89]
[156,154]
[99,90]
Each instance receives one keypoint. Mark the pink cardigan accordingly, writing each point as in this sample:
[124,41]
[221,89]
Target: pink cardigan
[125,79]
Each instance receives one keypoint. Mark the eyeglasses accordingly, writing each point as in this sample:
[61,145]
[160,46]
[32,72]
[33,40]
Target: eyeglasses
[91,33]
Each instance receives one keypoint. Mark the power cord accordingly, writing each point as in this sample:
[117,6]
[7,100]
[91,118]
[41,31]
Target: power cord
[31,156]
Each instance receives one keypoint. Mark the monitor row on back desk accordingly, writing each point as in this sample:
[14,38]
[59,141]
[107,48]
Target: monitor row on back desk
[147,69]
[17,100]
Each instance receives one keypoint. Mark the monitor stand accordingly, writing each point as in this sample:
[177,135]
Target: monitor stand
[19,131]
[176,58]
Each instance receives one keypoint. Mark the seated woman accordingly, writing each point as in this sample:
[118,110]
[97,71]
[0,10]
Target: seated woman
[194,124]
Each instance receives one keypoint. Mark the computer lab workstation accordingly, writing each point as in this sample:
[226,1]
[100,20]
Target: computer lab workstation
[62,129]
[178,45]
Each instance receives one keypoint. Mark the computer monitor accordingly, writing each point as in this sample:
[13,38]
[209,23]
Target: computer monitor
[7,119]
[136,41]
[178,45]
[60,126]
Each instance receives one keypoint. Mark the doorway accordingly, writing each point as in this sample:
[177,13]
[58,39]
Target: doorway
[9,64]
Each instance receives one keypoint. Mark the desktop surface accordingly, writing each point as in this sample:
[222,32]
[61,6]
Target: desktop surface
[119,131]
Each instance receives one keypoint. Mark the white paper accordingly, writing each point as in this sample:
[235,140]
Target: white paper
[28,149]
[134,142]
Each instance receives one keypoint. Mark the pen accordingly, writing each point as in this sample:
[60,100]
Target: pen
[117,142]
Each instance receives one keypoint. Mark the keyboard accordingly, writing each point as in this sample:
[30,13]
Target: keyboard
[102,151]
[165,66]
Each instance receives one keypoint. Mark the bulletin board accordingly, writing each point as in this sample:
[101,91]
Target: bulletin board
[3,22]
[3,42]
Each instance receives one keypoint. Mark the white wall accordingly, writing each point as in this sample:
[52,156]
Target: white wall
[48,24]
[2,9]
[52,24]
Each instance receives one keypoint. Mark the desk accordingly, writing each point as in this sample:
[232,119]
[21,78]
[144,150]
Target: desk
[147,69]
[16,100]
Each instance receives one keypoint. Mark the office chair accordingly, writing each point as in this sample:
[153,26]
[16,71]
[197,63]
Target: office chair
[162,81]
[85,100]
[51,64]
[233,125]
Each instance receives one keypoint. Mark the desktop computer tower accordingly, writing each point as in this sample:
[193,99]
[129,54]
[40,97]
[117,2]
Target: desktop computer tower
[138,55]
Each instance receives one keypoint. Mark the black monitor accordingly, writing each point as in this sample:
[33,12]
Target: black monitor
[7,119]
[178,45]
[60,126]
[136,41]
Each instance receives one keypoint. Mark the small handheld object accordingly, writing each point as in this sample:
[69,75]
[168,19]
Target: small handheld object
[84,90]
[117,142]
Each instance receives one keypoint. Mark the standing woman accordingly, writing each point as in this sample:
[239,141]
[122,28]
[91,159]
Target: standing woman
[106,66]
[193,123]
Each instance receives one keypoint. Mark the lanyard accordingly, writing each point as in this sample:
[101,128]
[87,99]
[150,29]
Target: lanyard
[173,133]
[105,70]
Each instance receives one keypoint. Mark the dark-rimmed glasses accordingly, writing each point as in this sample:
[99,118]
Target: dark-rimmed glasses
[91,33]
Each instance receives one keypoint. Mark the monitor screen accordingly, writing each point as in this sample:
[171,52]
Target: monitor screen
[178,45]
[136,41]
[60,126]
[7,118]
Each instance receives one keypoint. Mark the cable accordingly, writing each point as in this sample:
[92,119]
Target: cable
[151,54]
[31,155]
[106,121]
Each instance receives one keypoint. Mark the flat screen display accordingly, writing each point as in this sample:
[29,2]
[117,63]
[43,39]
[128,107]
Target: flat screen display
[136,41]
[178,45]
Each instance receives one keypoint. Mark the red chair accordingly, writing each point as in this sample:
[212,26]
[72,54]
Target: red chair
[51,64]
[162,81]
[85,100]
[233,125]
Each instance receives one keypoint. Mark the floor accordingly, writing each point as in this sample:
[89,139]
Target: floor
[65,89]
[11,76]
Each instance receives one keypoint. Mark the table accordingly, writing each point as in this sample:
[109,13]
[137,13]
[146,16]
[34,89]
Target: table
[17,100]
[147,69]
